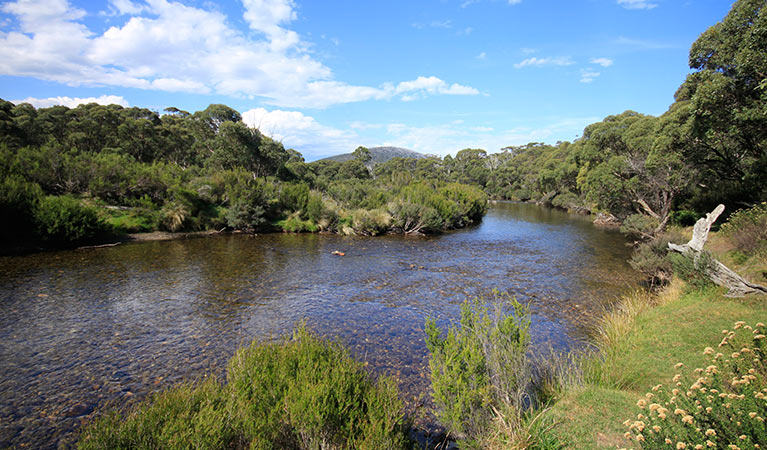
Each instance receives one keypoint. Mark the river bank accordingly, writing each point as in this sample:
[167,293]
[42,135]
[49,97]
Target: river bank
[641,343]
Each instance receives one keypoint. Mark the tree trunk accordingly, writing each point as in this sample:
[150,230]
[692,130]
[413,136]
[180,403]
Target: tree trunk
[718,273]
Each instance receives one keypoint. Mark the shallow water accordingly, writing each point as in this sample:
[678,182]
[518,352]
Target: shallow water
[83,328]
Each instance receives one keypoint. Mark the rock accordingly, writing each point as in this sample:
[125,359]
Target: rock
[607,220]
[80,409]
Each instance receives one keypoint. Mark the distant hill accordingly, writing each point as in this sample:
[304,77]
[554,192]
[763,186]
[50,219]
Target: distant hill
[380,155]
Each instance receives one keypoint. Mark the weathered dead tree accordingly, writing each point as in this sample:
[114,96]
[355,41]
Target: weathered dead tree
[718,273]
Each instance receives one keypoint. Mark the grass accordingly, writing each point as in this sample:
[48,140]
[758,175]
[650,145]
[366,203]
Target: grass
[640,342]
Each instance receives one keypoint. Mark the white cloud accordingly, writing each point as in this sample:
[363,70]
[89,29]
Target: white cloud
[637,4]
[515,2]
[126,7]
[540,62]
[301,132]
[73,102]
[482,55]
[179,48]
[449,138]
[588,75]
[604,62]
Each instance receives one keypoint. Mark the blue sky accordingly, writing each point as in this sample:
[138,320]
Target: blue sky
[435,76]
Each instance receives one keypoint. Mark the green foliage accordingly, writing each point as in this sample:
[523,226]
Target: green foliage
[693,270]
[66,221]
[747,229]
[639,226]
[684,218]
[479,367]
[294,197]
[370,222]
[721,406]
[299,393]
[652,260]
[19,199]
[294,224]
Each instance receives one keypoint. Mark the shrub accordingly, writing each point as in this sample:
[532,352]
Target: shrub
[639,226]
[294,224]
[19,200]
[185,417]
[479,371]
[370,223]
[720,407]
[684,218]
[693,270]
[65,221]
[301,393]
[294,197]
[747,229]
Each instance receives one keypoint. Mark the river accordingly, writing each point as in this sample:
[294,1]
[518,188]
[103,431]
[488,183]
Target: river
[85,328]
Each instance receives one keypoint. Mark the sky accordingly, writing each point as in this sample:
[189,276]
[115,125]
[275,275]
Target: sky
[323,77]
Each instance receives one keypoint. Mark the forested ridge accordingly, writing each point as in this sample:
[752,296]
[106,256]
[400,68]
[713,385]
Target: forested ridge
[69,175]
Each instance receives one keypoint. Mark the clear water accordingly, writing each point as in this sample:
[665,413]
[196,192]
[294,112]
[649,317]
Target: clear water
[85,328]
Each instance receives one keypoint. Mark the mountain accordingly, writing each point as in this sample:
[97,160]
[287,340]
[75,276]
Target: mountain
[380,155]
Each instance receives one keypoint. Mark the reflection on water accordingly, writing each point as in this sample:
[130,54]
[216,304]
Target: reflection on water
[82,328]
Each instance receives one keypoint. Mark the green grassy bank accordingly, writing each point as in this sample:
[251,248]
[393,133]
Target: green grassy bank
[641,344]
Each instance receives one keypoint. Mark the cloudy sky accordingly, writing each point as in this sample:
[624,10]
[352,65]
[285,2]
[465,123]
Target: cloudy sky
[435,76]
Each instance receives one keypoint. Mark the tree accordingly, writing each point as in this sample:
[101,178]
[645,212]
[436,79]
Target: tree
[728,97]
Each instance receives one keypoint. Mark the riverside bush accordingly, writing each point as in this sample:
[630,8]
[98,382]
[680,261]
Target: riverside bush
[64,221]
[298,393]
[722,406]
[747,229]
[479,370]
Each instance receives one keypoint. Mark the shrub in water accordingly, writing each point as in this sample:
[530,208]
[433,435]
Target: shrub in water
[721,406]
[479,369]
[301,393]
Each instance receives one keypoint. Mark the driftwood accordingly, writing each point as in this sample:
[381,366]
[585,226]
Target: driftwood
[718,273]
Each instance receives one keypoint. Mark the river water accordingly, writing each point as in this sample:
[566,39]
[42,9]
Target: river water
[85,328]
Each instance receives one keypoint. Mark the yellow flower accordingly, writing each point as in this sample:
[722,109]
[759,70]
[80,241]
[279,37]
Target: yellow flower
[681,445]
[739,324]
[668,441]
[699,447]
[678,366]
[708,351]
[742,437]
[710,444]
[656,428]
[710,432]
[658,386]
[752,415]
[641,403]
[679,412]
[687,419]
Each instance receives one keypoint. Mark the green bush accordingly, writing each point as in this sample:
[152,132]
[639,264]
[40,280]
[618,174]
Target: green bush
[747,229]
[693,270]
[370,223]
[19,199]
[722,406]
[639,226]
[479,370]
[684,218]
[65,220]
[301,393]
[294,224]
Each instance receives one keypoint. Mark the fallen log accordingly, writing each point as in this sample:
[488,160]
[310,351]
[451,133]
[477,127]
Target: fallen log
[720,274]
